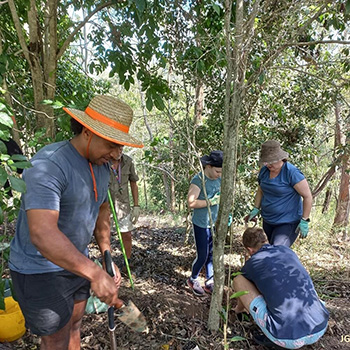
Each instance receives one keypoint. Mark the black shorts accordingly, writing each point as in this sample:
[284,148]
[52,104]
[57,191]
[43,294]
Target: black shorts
[47,299]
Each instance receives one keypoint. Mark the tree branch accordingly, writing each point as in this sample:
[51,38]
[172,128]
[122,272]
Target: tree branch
[310,43]
[317,77]
[80,25]
[323,182]
[280,49]
[18,26]
[314,17]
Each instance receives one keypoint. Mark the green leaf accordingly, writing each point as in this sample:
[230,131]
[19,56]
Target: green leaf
[216,8]
[13,294]
[158,102]
[237,338]
[3,176]
[347,6]
[19,157]
[22,165]
[239,294]
[122,77]
[57,105]
[140,5]
[17,184]
[5,119]
[234,274]
[127,85]
[149,104]
[3,107]
[5,134]
[3,148]
[91,67]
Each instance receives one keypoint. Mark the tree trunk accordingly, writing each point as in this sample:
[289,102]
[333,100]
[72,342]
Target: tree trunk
[342,210]
[198,108]
[43,58]
[327,200]
[14,131]
[341,218]
[236,68]
[167,189]
[42,54]
[171,149]
[144,186]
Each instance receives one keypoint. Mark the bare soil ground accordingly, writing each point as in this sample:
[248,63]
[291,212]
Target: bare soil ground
[177,319]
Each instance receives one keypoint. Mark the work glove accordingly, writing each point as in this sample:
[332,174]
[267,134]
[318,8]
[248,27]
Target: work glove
[135,213]
[215,199]
[303,228]
[252,214]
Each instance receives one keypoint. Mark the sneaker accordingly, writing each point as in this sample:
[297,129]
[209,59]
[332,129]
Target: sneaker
[196,287]
[262,339]
[208,288]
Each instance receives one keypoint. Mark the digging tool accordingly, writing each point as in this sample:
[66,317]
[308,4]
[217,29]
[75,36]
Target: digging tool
[129,314]
[120,238]
[111,325]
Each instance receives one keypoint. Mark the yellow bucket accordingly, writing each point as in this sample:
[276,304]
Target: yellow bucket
[12,325]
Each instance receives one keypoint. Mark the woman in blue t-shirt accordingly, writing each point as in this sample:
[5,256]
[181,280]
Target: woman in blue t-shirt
[283,197]
[201,220]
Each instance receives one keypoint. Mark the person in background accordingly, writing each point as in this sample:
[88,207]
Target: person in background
[283,197]
[64,205]
[281,297]
[122,174]
[203,219]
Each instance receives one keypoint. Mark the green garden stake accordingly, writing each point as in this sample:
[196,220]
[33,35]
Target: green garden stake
[120,237]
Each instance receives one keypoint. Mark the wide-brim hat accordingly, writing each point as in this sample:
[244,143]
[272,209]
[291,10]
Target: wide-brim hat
[272,152]
[215,159]
[107,117]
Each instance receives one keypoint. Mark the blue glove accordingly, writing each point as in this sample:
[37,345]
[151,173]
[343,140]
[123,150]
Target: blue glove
[253,213]
[303,228]
[215,199]
[230,219]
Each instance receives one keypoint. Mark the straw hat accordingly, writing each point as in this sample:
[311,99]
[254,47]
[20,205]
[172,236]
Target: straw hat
[107,117]
[214,159]
[271,152]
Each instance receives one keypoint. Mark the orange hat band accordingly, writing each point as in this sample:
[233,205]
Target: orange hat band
[105,120]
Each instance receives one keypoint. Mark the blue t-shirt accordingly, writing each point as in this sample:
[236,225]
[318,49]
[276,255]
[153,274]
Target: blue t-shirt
[294,309]
[60,179]
[200,216]
[281,203]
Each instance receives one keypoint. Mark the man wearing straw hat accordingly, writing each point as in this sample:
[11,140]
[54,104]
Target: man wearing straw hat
[64,205]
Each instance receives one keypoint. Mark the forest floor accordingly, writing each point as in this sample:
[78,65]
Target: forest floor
[177,320]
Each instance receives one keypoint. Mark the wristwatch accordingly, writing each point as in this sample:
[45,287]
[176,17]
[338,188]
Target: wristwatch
[308,219]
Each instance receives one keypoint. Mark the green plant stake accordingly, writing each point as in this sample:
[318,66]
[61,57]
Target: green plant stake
[120,238]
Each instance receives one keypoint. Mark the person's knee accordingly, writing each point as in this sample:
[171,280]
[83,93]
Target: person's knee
[58,340]
[77,316]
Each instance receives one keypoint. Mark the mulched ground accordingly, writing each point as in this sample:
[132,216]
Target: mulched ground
[177,320]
